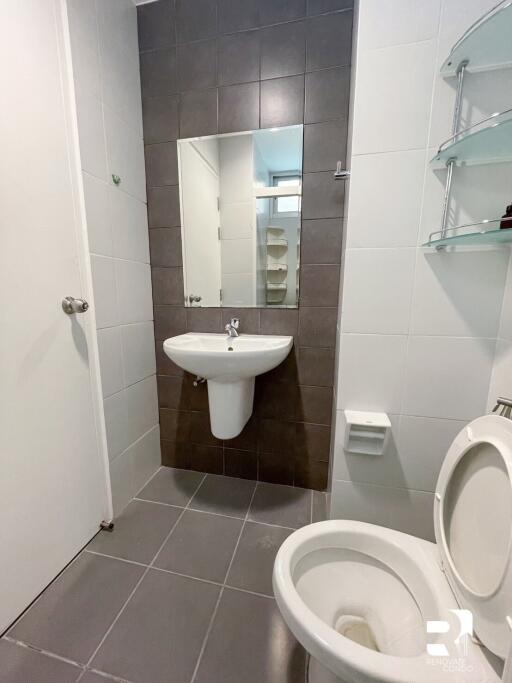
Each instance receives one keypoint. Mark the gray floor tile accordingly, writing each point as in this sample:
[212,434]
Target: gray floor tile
[319,506]
[138,532]
[74,613]
[20,665]
[158,637]
[172,486]
[250,642]
[201,545]
[254,560]
[224,495]
[91,677]
[281,505]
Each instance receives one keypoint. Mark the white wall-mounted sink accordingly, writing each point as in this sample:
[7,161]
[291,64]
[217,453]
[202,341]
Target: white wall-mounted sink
[229,364]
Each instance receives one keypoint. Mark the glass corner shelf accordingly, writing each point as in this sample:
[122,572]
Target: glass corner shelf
[487,142]
[484,233]
[486,44]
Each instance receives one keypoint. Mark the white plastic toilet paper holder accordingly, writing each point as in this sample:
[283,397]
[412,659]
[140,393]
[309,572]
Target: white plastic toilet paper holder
[366,433]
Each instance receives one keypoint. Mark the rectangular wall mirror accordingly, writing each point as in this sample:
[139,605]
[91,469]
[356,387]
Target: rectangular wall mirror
[240,201]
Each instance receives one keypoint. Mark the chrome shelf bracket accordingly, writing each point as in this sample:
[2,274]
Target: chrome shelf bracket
[461,70]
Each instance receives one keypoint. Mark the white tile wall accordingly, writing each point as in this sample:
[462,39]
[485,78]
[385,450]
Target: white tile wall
[374,278]
[97,207]
[237,289]
[122,481]
[418,329]
[141,407]
[447,376]
[506,315]
[105,291]
[422,444]
[385,120]
[404,509]
[406,21]
[129,224]
[117,22]
[125,152]
[116,421]
[111,360]
[138,344]
[412,458]
[501,379]
[121,84]
[455,293]
[133,468]
[237,256]
[371,372]
[91,135]
[385,200]
[106,69]
[146,456]
[86,49]
[134,291]
[236,164]
[237,220]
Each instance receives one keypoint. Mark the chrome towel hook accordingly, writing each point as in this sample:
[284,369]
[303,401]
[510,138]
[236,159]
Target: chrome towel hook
[339,173]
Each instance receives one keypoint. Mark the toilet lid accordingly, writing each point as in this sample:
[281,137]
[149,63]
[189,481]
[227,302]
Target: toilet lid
[473,525]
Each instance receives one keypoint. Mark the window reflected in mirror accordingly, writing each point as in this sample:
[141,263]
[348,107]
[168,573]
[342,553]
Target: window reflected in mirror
[240,201]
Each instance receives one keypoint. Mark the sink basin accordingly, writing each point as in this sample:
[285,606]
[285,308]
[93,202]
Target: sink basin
[230,366]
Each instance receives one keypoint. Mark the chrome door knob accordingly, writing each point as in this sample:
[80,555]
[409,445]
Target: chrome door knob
[71,305]
[194,299]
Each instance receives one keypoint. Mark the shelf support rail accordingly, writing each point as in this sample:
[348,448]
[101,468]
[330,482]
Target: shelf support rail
[461,70]
[446,202]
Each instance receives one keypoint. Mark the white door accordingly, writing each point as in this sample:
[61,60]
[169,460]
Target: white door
[53,482]
[200,217]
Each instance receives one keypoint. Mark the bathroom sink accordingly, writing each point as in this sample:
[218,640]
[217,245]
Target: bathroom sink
[229,364]
[227,359]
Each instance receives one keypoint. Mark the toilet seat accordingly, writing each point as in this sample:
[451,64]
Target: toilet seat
[473,526]
[469,569]
[415,562]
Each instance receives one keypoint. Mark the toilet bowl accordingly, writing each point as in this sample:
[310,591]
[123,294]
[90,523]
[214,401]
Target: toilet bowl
[371,604]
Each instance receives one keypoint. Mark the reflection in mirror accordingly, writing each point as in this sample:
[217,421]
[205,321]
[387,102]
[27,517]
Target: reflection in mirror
[240,197]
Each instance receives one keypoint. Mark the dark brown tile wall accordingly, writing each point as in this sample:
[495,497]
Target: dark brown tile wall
[211,66]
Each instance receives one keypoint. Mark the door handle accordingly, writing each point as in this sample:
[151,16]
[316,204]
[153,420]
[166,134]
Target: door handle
[71,305]
[194,299]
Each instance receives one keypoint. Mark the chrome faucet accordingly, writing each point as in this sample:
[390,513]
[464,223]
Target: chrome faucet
[232,327]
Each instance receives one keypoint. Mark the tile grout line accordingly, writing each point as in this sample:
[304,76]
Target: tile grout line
[144,574]
[249,29]
[105,675]
[114,557]
[221,592]
[47,653]
[147,482]
[219,514]
[185,576]
[54,655]
[38,597]
[85,668]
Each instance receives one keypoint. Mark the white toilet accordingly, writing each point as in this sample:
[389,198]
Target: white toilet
[358,596]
